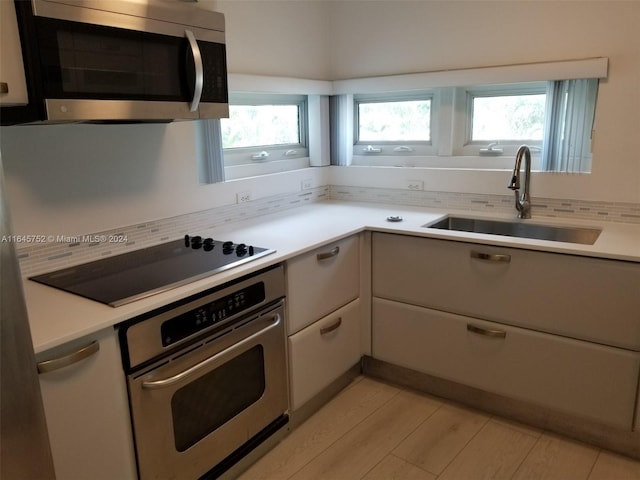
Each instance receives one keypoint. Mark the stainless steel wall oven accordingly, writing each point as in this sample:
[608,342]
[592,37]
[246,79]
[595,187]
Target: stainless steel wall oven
[207,377]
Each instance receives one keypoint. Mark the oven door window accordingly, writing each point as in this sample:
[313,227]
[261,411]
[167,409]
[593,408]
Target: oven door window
[208,402]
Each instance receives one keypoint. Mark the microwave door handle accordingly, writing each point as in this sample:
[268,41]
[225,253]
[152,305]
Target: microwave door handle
[197,60]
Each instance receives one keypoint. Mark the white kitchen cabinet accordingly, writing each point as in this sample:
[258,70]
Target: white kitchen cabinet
[323,351]
[321,281]
[13,87]
[324,317]
[587,298]
[556,330]
[87,409]
[572,376]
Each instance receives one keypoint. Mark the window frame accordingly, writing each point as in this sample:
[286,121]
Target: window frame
[290,153]
[464,145]
[400,148]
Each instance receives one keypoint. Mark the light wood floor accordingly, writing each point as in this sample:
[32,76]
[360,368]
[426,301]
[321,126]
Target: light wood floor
[376,431]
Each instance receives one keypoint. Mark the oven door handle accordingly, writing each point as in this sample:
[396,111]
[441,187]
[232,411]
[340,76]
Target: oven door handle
[167,382]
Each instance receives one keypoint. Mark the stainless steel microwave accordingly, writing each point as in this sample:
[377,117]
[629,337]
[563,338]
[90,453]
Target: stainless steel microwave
[120,61]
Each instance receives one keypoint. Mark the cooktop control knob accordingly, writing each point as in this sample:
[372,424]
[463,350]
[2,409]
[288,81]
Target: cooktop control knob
[227,248]
[187,242]
[208,244]
[196,242]
[241,249]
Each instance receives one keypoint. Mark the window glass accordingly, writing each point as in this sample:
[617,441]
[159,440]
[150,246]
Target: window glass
[394,121]
[261,126]
[508,117]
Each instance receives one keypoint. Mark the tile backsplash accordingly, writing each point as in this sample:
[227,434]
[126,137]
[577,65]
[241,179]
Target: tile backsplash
[64,252]
[61,252]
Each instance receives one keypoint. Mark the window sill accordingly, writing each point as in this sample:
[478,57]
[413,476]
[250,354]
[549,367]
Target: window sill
[476,162]
[262,168]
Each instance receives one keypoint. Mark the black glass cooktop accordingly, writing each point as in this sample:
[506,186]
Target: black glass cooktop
[122,279]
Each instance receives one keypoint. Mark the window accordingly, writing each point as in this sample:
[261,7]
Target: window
[475,127]
[264,129]
[500,118]
[511,115]
[265,133]
[394,124]
[396,121]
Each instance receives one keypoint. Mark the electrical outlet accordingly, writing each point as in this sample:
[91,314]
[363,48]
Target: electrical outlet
[306,184]
[415,184]
[243,197]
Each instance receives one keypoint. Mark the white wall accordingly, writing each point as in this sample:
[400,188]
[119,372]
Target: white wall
[84,178]
[276,37]
[74,179]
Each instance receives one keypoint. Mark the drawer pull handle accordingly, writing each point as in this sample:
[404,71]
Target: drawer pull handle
[332,327]
[486,331]
[4,87]
[491,257]
[66,360]
[330,254]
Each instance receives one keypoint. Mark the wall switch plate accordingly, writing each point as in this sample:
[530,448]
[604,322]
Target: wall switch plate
[415,184]
[306,184]
[243,197]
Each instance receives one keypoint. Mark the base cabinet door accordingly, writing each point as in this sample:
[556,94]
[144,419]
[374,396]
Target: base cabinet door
[573,376]
[321,281]
[87,409]
[323,351]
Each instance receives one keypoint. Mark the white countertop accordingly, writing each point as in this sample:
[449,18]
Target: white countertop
[57,317]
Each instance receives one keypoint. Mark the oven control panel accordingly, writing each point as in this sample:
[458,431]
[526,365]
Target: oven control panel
[203,317]
[148,337]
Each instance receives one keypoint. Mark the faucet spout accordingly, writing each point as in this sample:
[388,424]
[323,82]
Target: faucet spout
[523,202]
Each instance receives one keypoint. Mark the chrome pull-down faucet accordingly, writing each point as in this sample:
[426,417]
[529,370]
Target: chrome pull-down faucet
[523,202]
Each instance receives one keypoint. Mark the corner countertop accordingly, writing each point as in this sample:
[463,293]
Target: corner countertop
[57,317]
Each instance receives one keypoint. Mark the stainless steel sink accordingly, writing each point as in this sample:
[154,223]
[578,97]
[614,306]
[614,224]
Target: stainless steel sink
[585,236]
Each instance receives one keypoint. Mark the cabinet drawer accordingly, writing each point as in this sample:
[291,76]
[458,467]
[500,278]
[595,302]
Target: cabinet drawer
[323,351]
[587,298]
[569,375]
[322,281]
